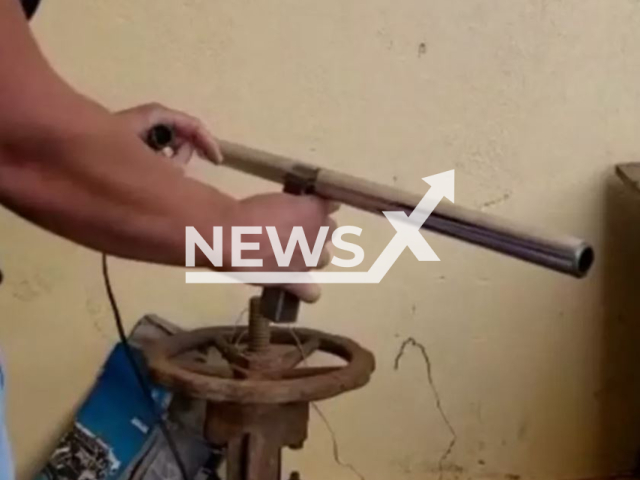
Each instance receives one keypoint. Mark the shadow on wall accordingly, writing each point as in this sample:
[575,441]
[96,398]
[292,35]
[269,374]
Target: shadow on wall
[619,394]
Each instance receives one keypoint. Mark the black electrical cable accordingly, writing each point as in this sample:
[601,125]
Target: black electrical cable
[146,390]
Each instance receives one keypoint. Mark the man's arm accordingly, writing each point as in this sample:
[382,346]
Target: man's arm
[70,166]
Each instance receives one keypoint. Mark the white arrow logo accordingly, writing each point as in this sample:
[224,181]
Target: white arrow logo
[407,235]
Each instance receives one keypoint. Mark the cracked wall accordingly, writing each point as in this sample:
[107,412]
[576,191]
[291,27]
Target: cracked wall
[531,102]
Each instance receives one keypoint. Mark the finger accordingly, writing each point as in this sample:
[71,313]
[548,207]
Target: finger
[208,145]
[183,151]
[325,257]
[333,226]
[201,137]
[218,157]
[307,292]
[332,206]
[191,129]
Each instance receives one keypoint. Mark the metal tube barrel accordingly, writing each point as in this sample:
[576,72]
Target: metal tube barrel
[561,253]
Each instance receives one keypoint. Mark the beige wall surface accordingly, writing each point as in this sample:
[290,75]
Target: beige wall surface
[531,102]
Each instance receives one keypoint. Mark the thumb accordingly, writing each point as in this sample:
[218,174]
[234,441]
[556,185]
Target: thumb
[307,292]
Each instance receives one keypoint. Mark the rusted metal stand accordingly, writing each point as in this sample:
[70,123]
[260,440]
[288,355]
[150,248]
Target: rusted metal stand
[258,396]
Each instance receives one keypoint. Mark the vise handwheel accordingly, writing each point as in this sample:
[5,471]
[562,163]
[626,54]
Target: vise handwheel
[268,378]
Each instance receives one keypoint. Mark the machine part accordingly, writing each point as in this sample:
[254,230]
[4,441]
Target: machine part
[259,331]
[255,436]
[564,254]
[274,379]
[279,305]
[159,137]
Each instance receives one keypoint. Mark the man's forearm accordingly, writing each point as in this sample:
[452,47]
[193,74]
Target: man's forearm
[93,181]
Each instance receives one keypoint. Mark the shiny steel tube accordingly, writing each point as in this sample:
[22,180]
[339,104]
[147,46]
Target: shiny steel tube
[563,254]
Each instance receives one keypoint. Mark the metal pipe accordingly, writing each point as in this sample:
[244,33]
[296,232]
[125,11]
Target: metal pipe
[561,253]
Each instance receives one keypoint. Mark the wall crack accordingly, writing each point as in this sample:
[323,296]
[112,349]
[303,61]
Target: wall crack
[412,342]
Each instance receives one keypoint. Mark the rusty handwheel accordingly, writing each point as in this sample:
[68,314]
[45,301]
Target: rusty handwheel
[269,375]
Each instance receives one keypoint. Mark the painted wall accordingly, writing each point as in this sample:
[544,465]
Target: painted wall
[532,102]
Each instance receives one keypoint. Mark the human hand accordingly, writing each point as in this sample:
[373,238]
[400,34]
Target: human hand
[190,134]
[284,211]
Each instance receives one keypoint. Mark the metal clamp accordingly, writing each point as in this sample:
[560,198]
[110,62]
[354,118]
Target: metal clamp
[277,304]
